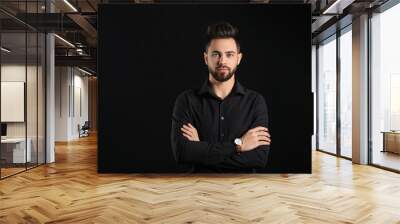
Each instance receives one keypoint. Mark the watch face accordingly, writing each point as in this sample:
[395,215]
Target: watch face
[238,141]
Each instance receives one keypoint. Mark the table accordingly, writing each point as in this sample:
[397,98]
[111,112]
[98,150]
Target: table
[13,150]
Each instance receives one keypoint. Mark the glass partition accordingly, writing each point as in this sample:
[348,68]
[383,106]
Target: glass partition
[14,153]
[22,88]
[31,100]
[41,91]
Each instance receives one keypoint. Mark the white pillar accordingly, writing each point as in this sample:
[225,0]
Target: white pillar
[360,90]
[50,92]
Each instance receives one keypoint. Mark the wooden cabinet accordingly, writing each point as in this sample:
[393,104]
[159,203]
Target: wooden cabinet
[391,141]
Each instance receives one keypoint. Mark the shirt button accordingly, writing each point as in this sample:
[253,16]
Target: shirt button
[222,118]
[222,134]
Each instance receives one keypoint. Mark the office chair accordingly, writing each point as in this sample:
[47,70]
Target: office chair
[84,130]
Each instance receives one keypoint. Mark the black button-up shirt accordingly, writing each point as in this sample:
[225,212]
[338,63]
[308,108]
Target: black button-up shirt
[218,123]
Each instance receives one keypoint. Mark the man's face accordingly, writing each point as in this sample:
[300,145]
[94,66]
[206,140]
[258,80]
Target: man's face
[222,58]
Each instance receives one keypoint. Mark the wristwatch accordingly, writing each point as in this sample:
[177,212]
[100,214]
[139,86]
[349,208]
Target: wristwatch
[238,142]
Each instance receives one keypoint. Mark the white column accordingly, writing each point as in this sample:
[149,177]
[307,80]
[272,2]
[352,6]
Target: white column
[50,92]
[50,99]
[360,90]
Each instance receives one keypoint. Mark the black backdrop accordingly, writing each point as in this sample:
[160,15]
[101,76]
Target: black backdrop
[148,54]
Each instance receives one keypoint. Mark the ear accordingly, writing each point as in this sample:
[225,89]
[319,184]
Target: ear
[205,58]
[240,56]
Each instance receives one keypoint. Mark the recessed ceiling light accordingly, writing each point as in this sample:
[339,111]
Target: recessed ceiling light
[70,5]
[5,50]
[337,6]
[86,72]
[65,41]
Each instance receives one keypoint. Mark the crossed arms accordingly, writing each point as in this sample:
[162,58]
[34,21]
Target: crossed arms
[188,148]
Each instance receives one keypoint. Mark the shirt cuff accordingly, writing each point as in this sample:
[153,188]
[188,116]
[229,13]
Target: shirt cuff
[228,148]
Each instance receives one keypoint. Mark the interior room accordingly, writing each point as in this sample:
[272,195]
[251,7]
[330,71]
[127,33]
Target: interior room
[53,134]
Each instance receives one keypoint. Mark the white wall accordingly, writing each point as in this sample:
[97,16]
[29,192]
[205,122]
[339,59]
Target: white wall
[17,73]
[12,73]
[62,80]
[71,93]
[33,127]
[80,103]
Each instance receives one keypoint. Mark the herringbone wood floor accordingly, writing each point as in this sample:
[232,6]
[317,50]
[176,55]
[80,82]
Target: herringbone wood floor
[71,191]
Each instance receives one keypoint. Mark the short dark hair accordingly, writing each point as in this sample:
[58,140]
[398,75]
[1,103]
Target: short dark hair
[221,30]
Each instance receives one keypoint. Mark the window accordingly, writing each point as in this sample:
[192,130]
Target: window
[346,93]
[327,95]
[385,88]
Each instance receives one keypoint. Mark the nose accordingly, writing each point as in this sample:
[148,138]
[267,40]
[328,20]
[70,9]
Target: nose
[222,60]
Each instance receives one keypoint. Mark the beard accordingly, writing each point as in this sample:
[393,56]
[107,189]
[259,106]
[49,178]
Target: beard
[222,76]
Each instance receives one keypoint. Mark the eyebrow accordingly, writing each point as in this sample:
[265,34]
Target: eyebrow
[225,52]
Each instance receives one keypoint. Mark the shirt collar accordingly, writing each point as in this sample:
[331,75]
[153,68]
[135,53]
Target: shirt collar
[237,88]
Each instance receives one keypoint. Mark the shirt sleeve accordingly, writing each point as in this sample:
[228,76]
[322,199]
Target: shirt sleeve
[192,152]
[258,157]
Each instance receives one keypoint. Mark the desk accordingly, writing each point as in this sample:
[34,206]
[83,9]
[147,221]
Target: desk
[391,141]
[13,150]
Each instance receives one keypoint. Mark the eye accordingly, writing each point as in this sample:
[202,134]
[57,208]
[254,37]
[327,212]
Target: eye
[229,55]
[215,54]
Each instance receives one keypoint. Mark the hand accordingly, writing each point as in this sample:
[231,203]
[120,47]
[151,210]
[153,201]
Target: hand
[254,138]
[190,132]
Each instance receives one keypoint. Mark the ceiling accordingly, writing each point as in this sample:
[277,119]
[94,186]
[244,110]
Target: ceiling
[76,22]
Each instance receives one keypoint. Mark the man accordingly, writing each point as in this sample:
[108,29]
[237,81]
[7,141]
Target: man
[222,127]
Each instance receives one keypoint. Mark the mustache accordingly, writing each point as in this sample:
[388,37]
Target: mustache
[222,66]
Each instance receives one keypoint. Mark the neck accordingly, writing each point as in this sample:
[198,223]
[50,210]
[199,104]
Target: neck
[222,89]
